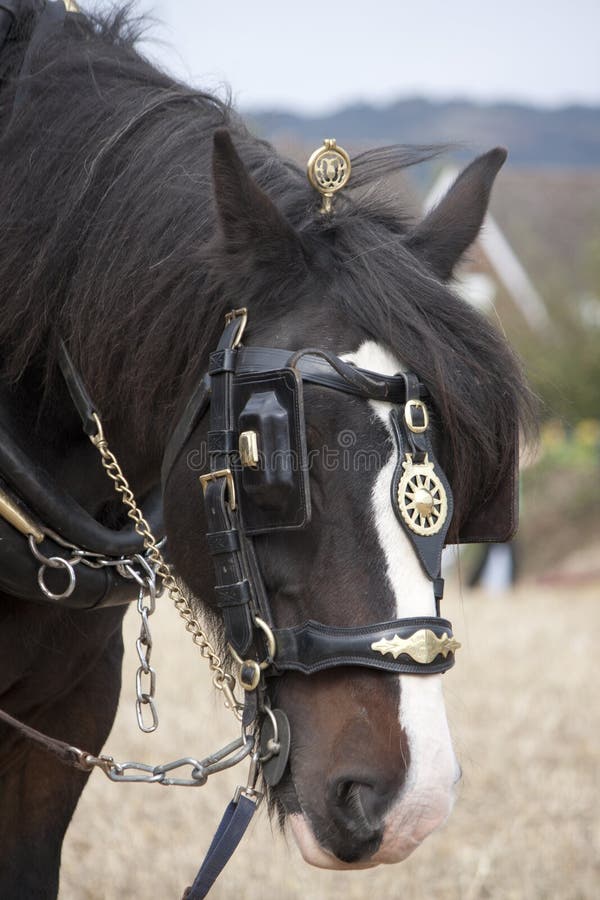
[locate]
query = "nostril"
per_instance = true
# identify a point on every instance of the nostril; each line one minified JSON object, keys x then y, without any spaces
{"x":359,"y":806}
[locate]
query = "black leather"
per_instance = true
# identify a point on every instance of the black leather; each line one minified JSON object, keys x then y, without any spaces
{"x":312,"y":647}
{"x":19,"y":571}
{"x":275,"y":495}
{"x":247,"y":396}
{"x":60,"y":512}
{"x":497,"y":519}
{"x":194,"y":410}
{"x":79,"y":395}
{"x":428,"y":549}
{"x":325,"y":369}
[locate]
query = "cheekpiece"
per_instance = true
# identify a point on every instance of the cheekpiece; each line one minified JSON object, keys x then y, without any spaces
{"x":328,"y":171}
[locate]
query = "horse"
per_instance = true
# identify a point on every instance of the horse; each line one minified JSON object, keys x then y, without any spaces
{"x":135,"y":214}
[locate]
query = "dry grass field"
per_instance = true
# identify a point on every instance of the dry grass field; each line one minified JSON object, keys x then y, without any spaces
{"x":523,"y":703}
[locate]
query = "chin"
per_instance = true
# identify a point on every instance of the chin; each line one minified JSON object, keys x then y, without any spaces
{"x":316,"y":855}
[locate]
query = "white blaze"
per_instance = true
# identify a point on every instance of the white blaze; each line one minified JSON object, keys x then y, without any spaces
{"x":427,"y":796}
{"x":428,"y":792}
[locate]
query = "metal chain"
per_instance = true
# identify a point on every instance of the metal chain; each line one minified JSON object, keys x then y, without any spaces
{"x":145,"y":693}
{"x":225,"y":758}
{"x":222,"y":680}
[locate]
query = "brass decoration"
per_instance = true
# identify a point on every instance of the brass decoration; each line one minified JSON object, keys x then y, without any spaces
{"x":421,"y":497}
{"x":423,"y":646}
{"x":19,"y":519}
{"x":328,"y":171}
{"x":248,"y":447}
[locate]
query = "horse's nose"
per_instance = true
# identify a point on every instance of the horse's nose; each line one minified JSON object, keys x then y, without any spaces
{"x":357,"y":805}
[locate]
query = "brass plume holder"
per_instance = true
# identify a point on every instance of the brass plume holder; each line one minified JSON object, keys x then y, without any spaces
{"x":328,"y":171}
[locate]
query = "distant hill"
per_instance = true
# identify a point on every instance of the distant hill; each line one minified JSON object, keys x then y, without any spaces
{"x":567,"y":136}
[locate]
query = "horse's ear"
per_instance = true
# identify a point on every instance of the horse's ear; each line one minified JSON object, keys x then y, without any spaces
{"x":452,"y":226}
{"x":248,"y":218}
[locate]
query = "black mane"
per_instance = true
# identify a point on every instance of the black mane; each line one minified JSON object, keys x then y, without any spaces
{"x":109,"y":238}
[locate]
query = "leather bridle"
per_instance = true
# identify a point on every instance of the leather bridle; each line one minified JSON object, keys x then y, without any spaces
{"x":422,"y":645}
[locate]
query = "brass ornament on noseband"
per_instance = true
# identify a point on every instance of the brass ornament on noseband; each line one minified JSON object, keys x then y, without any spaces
{"x":421,"y":497}
{"x":328,"y":171}
{"x":423,"y":646}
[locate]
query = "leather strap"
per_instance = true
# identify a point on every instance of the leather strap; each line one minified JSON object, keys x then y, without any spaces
{"x":428,"y":548}
{"x":70,"y":756}
{"x":325,"y":369}
{"x":77,"y":389}
{"x":311,"y":647}
{"x":60,"y":511}
{"x":233,"y":589}
{"x":234,"y":823}
{"x":94,"y":587}
{"x":192,"y":414}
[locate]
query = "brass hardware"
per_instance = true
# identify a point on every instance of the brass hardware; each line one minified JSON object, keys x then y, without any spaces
{"x":249,"y":674}
{"x":220,"y":473}
{"x":270,"y":639}
{"x":19,"y":519}
{"x":250,"y":663}
{"x":328,"y":171}
{"x":408,"y":418}
{"x":242,"y":314}
{"x":248,"y":447}
{"x":421,"y":497}
{"x":423,"y":646}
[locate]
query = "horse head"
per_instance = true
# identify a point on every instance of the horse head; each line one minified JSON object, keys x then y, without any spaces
{"x":371,"y":768}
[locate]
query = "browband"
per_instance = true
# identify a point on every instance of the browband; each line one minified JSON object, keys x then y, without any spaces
{"x":315,"y":367}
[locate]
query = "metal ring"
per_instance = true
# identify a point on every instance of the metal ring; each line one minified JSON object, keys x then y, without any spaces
{"x":57,"y":562}
{"x":271,"y":644}
{"x":274,"y":740}
{"x":271,"y":647}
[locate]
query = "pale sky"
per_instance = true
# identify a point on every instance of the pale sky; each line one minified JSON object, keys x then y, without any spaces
{"x":315,"y":56}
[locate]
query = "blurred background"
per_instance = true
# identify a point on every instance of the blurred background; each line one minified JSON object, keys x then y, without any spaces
{"x":522,"y":701}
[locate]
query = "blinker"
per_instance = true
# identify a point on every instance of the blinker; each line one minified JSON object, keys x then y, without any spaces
{"x":273,"y":464}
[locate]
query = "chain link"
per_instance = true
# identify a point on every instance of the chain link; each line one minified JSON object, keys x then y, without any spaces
{"x":146,"y":604}
{"x":222,"y":680}
{"x":225,"y":758}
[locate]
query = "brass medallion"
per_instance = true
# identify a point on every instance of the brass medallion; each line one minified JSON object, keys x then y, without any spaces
{"x":423,"y":646}
{"x":421,"y":497}
{"x":328,"y":171}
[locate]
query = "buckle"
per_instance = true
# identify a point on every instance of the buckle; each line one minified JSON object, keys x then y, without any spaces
{"x":408,"y":416}
{"x":220,"y":473}
{"x":250,"y":669}
{"x":242,"y":315}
